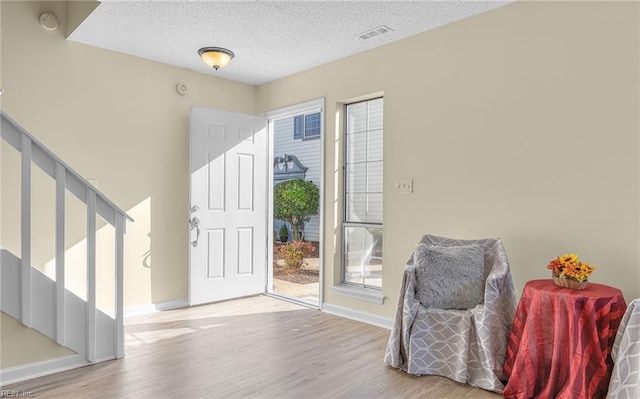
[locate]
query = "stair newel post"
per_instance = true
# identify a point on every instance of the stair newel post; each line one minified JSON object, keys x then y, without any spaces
{"x":119,"y":294}
{"x":25,"y":267}
{"x":61,"y":174}
{"x":91,"y":276}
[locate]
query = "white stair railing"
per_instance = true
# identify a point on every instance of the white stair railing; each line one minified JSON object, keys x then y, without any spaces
{"x":34,"y":152}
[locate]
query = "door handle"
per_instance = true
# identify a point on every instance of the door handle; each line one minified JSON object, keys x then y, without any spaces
{"x":194,"y":223}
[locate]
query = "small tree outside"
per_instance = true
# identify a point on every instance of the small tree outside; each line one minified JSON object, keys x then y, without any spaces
{"x":296,"y":201}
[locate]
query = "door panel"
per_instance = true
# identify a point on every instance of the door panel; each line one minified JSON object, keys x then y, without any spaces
{"x":245,"y":182}
{"x":216,"y":185}
{"x":245,"y":253}
{"x":228,"y":166}
{"x":215,"y":250}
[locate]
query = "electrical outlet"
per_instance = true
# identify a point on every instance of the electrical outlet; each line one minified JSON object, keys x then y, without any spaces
{"x":404,"y":186}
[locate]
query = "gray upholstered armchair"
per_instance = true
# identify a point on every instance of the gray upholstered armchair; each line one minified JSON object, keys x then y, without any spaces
{"x":467,"y":345}
{"x":625,"y":376}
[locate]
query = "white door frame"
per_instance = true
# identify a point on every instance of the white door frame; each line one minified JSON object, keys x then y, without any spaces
{"x":280,"y":113}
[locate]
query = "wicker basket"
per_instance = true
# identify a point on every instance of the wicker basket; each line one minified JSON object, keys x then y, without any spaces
{"x":569,"y":283}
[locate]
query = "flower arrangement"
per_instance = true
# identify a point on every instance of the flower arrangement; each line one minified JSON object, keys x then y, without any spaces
{"x":569,"y":266}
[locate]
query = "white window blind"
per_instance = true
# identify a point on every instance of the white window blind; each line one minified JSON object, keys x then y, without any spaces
{"x":364,"y":162}
{"x":362,"y":227}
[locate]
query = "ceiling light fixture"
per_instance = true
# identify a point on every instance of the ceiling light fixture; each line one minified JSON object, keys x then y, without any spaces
{"x":215,"y":57}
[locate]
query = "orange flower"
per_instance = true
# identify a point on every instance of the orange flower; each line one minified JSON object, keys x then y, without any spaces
{"x":568,"y":258}
{"x":555,"y":266}
{"x":569,"y":266}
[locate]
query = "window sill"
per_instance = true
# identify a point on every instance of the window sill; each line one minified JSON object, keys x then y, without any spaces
{"x":365,"y":294}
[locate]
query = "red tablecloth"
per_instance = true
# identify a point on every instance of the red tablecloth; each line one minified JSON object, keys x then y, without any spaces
{"x":561,"y":340}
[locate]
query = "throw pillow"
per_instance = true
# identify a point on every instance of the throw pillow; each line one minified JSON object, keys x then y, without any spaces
{"x":449,"y":277}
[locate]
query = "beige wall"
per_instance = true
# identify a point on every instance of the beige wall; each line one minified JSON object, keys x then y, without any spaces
{"x":520,"y":123}
{"x":14,"y":352}
{"x":115,"y":118}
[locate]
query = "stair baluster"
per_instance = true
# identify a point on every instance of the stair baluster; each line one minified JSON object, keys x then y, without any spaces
{"x":66,"y":179}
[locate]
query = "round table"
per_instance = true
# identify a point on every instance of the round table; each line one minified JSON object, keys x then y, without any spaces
{"x":561,"y":339}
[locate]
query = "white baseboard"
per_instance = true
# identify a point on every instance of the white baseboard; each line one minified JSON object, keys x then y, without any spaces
{"x":139,"y":310}
{"x":369,"y":318}
{"x":28,"y":371}
{"x":173,"y":304}
{"x":151,"y":307}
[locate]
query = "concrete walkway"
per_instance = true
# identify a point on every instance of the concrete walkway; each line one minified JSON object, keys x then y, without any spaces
{"x":309,"y":293}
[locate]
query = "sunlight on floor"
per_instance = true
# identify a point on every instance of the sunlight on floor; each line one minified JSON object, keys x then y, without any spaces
{"x":150,"y":328}
{"x":149,"y":337}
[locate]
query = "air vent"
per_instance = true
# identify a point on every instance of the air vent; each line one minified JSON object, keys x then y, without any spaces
{"x":375,"y":32}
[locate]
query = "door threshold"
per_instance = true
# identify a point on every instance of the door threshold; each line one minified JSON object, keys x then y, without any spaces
{"x":291,"y":299}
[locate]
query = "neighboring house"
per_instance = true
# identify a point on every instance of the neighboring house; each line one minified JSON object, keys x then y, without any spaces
{"x":299,"y":136}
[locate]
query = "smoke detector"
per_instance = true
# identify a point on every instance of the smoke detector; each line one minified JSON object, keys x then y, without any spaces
{"x":49,"y":21}
{"x":181,"y":88}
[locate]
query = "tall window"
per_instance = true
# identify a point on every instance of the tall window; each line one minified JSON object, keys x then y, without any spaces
{"x":362,"y":226}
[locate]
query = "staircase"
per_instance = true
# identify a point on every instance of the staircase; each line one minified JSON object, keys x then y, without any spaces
{"x":42,"y":303}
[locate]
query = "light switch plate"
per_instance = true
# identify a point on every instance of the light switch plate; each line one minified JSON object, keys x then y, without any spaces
{"x":404,"y":186}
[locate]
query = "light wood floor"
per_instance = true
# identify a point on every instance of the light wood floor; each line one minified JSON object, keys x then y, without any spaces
{"x":256,"y":347}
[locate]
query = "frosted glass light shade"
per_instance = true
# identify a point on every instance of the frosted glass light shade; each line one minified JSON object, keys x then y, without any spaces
{"x":215,"y":57}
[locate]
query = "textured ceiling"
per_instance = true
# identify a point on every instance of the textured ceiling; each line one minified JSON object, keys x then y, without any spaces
{"x":271,"y":39}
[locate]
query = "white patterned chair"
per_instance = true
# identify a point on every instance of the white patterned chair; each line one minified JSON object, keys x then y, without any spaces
{"x":467,"y":346}
{"x":625,"y":376}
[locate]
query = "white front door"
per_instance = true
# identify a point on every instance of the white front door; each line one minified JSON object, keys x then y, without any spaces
{"x":228,"y":196}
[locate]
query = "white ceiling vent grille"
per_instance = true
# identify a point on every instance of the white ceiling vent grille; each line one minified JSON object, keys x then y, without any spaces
{"x":382,"y":29}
